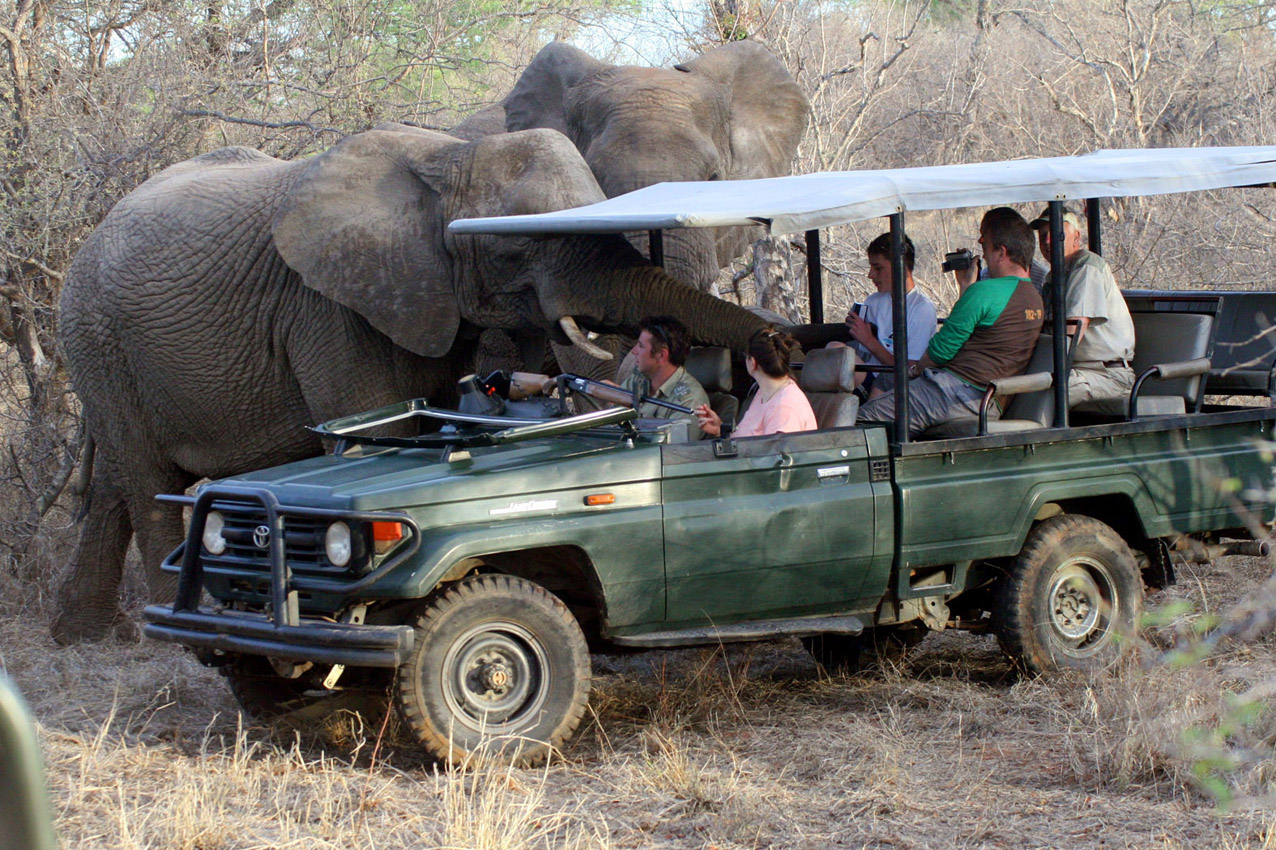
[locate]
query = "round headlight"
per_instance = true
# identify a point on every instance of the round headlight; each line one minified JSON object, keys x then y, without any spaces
{"x":213,"y":540}
{"x":337,"y":544}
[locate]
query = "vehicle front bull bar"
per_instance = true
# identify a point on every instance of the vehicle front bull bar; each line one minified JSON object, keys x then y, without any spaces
{"x":282,"y":633}
{"x":319,"y":641}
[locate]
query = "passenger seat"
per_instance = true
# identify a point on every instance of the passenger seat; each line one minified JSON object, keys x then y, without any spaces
{"x":712,"y":368}
{"x":1026,"y":411}
{"x":828,"y":379}
{"x":1173,"y":346}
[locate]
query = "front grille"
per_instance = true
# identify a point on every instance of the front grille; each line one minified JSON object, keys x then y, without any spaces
{"x":303,"y":542}
{"x":303,"y":539}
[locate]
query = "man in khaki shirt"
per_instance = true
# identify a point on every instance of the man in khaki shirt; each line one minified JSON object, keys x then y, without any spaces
{"x":662,"y":347}
{"x":1105,"y":335}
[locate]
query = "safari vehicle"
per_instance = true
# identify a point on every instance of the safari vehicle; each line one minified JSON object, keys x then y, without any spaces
{"x":476,"y":565}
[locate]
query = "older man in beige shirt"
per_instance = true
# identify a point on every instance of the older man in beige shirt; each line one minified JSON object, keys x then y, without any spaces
{"x":1105,"y":332}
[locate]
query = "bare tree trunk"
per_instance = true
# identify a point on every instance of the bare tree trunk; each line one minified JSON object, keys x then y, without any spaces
{"x":772,"y":268}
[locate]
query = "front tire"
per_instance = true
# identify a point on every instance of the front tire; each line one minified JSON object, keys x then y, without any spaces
{"x":499,"y":670}
{"x":1073,"y":590}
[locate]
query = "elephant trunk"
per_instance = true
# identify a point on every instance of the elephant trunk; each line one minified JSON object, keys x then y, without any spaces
{"x":710,"y":320}
{"x":615,"y":288}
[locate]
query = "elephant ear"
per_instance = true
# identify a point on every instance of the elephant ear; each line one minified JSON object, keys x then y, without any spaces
{"x":362,"y":226}
{"x":539,"y":98}
{"x":769,"y":112}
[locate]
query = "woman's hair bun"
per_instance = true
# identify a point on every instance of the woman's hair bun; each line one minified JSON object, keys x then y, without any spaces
{"x":771,"y":349}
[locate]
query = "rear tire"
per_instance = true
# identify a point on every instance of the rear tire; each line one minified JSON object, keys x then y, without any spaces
{"x":1073,"y":590}
{"x":499,"y":670}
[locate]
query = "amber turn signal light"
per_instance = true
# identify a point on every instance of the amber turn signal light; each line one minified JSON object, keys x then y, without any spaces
{"x":601,"y":499}
{"x":385,"y":535}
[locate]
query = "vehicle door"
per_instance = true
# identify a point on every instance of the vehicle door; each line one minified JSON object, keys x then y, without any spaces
{"x":793,"y":524}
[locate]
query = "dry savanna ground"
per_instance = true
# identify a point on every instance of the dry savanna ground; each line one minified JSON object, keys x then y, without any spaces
{"x":751,"y":747}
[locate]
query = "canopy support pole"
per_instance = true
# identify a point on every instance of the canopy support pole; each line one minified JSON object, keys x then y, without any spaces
{"x":656,"y":247}
{"x":814,"y":279}
{"x":899,"y":321}
{"x":1058,"y":283}
{"x":1095,"y":236}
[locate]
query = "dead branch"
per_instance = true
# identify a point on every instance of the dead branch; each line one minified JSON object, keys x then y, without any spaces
{"x":257,"y":122}
{"x":34,"y":262}
{"x":58,"y":483}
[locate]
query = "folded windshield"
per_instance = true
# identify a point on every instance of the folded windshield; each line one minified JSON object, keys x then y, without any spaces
{"x":462,"y":430}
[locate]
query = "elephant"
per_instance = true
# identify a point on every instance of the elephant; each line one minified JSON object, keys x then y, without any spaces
{"x":732,"y":113}
{"x":233,"y":299}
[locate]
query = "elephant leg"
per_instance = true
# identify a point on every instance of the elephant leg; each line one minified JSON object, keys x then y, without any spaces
{"x":497,"y":350}
{"x":159,"y":529}
{"x":533,"y":349}
{"x":88,"y":599}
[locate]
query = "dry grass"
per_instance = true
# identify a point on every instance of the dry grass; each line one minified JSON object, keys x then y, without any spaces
{"x":747,"y":748}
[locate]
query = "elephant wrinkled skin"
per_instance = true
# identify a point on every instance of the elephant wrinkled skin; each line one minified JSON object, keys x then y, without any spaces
{"x":234,"y":299}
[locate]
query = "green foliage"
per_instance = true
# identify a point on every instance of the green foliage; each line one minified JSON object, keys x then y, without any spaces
{"x":1221,"y":750}
{"x":946,"y":12}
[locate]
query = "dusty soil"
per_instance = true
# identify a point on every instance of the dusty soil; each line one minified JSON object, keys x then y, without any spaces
{"x":751,"y":747}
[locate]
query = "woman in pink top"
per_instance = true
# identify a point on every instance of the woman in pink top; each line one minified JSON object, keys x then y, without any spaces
{"x":780,"y":405}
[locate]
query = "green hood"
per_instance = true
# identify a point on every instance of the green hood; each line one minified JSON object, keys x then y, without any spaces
{"x":401,"y":479}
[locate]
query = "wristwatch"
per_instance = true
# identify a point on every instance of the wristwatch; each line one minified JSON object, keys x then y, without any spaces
{"x":914,"y":370}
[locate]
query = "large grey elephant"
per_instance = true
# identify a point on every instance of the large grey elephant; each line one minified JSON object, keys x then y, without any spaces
{"x":732,"y":113}
{"x":233,"y":299}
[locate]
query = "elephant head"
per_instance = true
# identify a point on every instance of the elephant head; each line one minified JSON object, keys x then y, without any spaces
{"x":365,"y":224}
{"x":732,"y":113}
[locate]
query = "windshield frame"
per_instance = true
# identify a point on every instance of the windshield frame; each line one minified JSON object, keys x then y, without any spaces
{"x":467,"y":429}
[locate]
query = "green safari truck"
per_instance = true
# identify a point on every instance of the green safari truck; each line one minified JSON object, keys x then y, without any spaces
{"x":470,"y":570}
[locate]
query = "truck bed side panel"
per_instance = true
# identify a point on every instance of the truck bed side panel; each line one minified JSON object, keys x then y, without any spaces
{"x":979,"y":503}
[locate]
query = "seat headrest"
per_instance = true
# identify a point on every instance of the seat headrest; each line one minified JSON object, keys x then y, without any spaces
{"x":711,"y":367}
{"x":828,"y":370}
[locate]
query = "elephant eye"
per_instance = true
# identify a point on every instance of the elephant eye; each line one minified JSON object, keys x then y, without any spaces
{"x":715,"y":176}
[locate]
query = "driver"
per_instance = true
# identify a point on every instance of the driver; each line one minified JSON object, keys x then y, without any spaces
{"x":662,"y":347}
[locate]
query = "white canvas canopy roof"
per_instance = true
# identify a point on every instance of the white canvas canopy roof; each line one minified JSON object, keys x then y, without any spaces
{"x":813,"y":201}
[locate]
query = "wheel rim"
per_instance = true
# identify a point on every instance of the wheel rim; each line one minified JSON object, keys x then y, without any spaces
{"x":1082,"y":605}
{"x":495,"y":678}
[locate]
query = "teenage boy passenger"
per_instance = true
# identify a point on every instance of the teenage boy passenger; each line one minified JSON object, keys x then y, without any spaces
{"x":873,"y":327}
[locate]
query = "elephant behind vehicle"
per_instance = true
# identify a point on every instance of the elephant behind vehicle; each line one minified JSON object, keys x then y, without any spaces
{"x":234,"y":299}
{"x":732,"y":113}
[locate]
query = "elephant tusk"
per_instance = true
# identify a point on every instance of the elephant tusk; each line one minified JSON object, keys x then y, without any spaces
{"x":569,"y":326}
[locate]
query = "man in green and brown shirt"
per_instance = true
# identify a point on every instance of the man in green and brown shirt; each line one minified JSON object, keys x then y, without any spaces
{"x":989,"y":334}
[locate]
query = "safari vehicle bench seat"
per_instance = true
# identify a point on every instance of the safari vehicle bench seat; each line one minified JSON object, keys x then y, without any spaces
{"x":828,"y":379}
{"x":1030,"y":408}
{"x":1178,"y":346}
{"x":712,"y":368}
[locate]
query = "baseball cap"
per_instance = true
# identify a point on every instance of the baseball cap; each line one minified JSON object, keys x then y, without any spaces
{"x":1043,"y":220}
